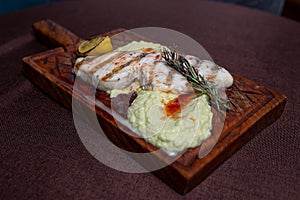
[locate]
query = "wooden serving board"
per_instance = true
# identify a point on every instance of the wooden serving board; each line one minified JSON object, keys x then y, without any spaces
{"x":253,"y":107}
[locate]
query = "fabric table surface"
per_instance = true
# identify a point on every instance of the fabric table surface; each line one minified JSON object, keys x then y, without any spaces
{"x":42,"y":156}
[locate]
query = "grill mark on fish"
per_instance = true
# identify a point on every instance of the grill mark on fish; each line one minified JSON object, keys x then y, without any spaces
{"x":151,"y":75}
{"x":170,"y":78}
{"x":158,"y":57}
{"x":119,"y":68}
{"x":148,"y":50}
{"x":99,"y":65}
{"x":151,"y":72}
{"x":210,"y":77}
{"x":85,"y":61}
{"x":79,"y":64}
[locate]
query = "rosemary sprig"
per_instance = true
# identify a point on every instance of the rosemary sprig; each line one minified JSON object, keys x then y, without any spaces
{"x":197,"y":81}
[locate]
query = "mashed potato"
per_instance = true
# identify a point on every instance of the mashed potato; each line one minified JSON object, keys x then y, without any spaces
{"x":148,"y":117}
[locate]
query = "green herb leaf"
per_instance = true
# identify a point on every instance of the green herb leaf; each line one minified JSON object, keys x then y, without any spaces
{"x":197,"y":81}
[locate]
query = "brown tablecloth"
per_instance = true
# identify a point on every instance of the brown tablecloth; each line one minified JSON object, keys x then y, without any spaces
{"x":42,"y":156}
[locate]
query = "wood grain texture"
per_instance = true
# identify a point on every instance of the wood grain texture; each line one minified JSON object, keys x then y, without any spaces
{"x":253,"y":107}
{"x":54,"y":35}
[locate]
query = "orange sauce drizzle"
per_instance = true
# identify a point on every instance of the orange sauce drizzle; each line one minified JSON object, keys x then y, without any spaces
{"x":173,"y":107}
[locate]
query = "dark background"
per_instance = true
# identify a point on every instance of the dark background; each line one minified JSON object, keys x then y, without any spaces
{"x":287,"y":8}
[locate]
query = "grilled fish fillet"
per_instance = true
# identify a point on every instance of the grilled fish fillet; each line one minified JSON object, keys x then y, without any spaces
{"x":118,"y":70}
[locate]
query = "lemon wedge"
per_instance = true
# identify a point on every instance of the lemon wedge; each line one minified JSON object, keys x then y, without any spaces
{"x":95,"y":46}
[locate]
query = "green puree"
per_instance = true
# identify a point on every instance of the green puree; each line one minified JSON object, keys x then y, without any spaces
{"x":149,"y":119}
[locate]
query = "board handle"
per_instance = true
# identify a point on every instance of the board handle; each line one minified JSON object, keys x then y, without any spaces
{"x":53,"y":34}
